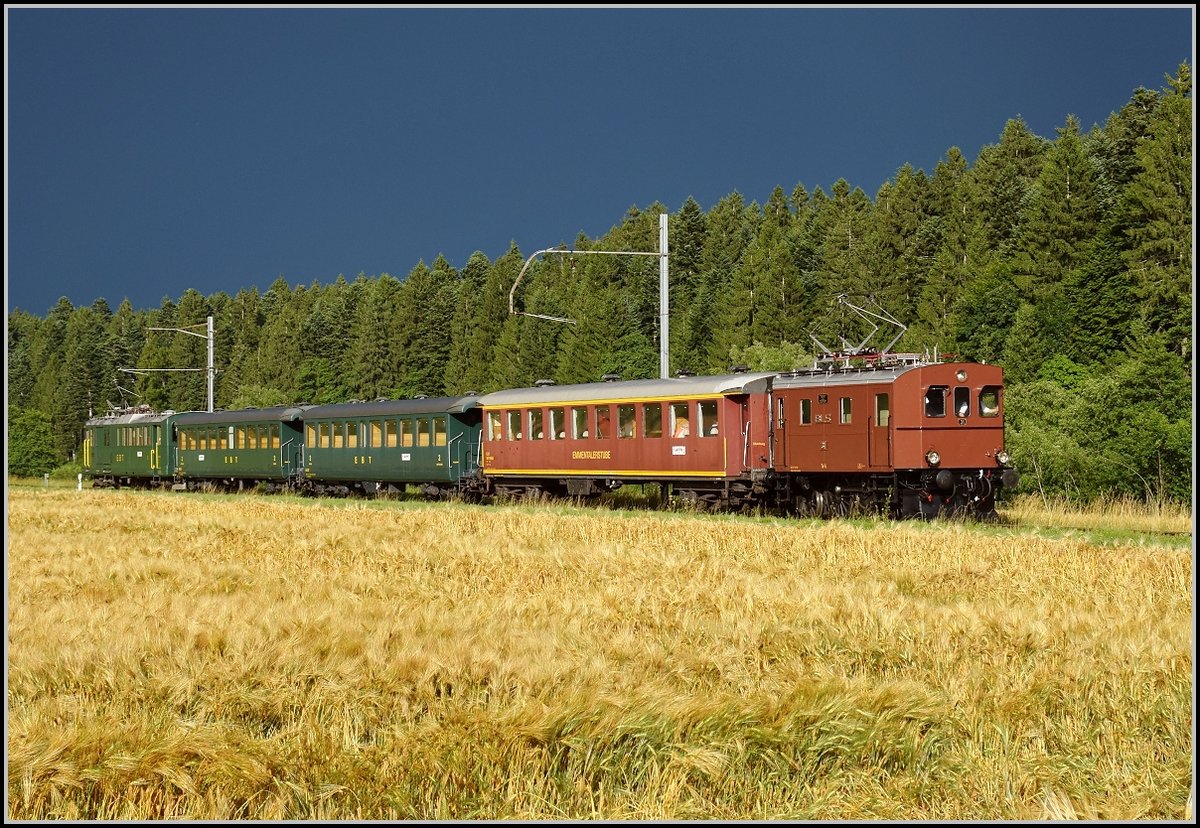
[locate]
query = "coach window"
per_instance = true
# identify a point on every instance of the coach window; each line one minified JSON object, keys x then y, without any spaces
{"x":514,"y":425}
{"x":275,"y":435}
{"x":603,"y":422}
{"x":352,"y":434}
{"x":422,"y":432}
{"x":626,"y":422}
{"x":338,"y":430}
{"x":882,"y":412}
{"x":845,"y":410}
{"x":679,"y":420}
{"x":389,"y":433}
{"x":652,"y":419}
{"x":536,"y":431}
{"x":406,"y":433}
{"x":323,"y":434}
{"x":935,"y":401}
{"x":439,"y":431}
{"x":962,"y":401}
{"x":709,"y":425}
{"x":579,"y":426}
{"x":222,"y":440}
{"x":558,"y":423}
{"x":310,"y":436}
{"x":494,"y":431}
{"x":989,"y":401}
{"x":376,"y":440}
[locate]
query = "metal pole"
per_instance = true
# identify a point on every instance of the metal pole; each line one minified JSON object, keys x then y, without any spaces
{"x":664,"y":340}
{"x":210,"y":363}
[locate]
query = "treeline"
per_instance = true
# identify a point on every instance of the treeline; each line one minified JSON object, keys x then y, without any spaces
{"x":1068,"y":261}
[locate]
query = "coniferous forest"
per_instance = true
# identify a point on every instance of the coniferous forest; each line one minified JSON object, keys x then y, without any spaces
{"x":1066,"y":259}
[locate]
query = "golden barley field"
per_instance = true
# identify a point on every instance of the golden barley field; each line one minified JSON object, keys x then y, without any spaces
{"x":179,"y":656}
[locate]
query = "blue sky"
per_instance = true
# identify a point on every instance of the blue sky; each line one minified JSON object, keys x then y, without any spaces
{"x":149,"y":151}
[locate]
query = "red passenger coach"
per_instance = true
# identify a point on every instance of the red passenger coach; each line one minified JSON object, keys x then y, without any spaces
{"x":707,"y":437}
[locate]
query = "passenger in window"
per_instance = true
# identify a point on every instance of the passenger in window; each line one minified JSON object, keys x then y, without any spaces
{"x":681,"y":428}
{"x":962,"y":410}
{"x":714,"y":429}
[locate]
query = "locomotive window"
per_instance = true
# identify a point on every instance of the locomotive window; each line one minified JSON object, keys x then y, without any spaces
{"x":805,"y":412}
{"x":935,"y":401}
{"x":679,"y":420}
{"x":275,"y":429}
{"x":603,"y":423}
{"x":494,"y":431}
{"x":989,"y":401}
{"x":406,"y":434}
{"x":579,"y":427}
{"x":106,"y":436}
{"x":514,"y":425}
{"x":709,"y":426}
{"x":439,"y":431}
{"x":845,"y":410}
{"x":962,"y":401}
{"x":422,"y":432}
{"x":626,"y":427}
{"x":652,"y":419}
{"x":389,"y":433}
{"x":882,"y":413}
{"x":536,"y":431}
{"x":558,"y":423}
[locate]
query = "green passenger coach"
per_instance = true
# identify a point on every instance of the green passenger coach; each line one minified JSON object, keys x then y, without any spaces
{"x":131,"y":448}
{"x":431,"y":443}
{"x":234,"y":449}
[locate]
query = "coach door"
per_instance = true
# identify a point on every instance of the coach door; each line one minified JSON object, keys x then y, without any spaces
{"x":880,"y":437}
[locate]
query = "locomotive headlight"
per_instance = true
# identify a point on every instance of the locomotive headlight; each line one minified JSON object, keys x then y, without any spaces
{"x":933,"y":457}
{"x":1002,"y":457}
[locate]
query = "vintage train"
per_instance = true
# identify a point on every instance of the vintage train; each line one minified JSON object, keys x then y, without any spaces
{"x":902,"y":437}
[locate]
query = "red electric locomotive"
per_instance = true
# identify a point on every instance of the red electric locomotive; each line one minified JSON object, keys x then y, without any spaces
{"x":910,"y":439}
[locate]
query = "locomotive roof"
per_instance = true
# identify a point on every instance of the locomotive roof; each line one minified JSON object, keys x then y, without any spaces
{"x":282,"y":413}
{"x":678,"y":387}
{"x":842,"y":376}
{"x":426,"y":405}
{"x":128,"y":417}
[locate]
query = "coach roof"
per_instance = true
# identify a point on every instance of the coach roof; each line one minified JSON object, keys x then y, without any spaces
{"x":281,"y":413}
{"x":383,"y":408}
{"x":647,"y":389}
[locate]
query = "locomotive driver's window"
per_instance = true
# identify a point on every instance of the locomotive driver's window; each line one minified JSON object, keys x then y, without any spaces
{"x":962,"y":400}
{"x":935,"y":401}
{"x":989,"y":401}
{"x":881,"y":410}
{"x":805,"y":412}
